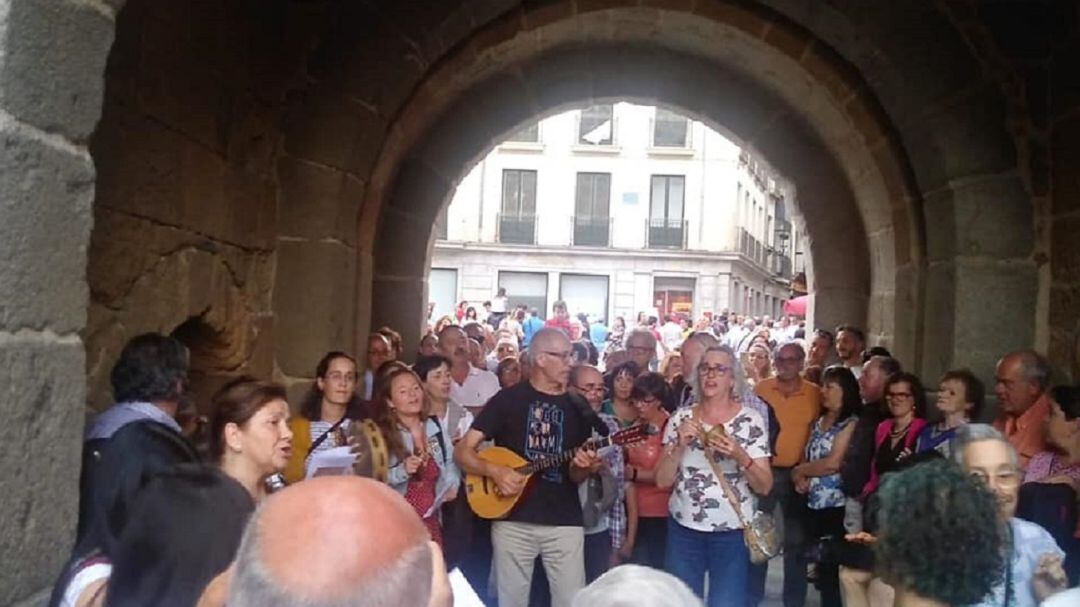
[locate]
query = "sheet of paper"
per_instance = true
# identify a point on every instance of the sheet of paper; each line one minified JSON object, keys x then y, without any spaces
{"x":331,"y":462}
{"x":464,"y":595}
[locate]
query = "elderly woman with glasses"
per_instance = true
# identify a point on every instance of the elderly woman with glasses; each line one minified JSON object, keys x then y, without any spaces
{"x":718,"y":435}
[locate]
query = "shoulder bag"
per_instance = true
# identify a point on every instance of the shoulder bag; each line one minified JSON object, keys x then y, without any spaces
{"x":761,"y":535}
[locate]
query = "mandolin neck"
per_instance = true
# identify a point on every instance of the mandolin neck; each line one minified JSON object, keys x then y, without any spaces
{"x":554,"y":461}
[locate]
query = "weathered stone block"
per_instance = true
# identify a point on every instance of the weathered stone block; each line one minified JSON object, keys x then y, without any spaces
{"x":400,"y":302}
{"x":1065,"y":250}
{"x":987,"y":217}
{"x":939,"y":311}
{"x":44,"y":230}
{"x":994,"y":312}
{"x":963,"y":138}
{"x":312,"y":204}
{"x":1065,"y":160}
{"x":322,"y":125}
{"x":41,"y":401}
{"x":52,"y":63}
{"x":314,"y":303}
{"x":396,"y":256}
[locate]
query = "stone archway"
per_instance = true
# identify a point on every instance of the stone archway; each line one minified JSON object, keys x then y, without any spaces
{"x":276,"y":133}
{"x":855,"y":190}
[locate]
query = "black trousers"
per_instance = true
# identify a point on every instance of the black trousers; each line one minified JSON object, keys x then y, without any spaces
{"x":651,"y":544}
{"x":821,"y":524}
{"x":793,"y":508}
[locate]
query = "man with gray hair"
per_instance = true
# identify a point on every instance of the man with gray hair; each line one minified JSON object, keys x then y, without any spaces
{"x":641,"y":344}
{"x":336,"y":541}
{"x":634,"y":586}
{"x":1036,"y":565}
{"x":1021,"y":383}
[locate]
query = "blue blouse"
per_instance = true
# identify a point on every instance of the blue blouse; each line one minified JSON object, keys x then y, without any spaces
{"x":825,"y":491}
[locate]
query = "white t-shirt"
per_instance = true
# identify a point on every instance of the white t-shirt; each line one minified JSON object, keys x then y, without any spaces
{"x":1067,"y":598}
{"x":698,"y":501}
{"x":498,"y":305}
{"x":671,"y":333}
{"x":479,"y":386}
{"x":82,"y":580}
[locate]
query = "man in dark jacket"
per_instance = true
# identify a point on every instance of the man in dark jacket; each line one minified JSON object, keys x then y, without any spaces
{"x":855,"y":469}
{"x":138,"y":435}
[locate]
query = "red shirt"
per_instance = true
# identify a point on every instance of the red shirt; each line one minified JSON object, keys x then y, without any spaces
{"x":562,"y":324}
{"x":652,"y":500}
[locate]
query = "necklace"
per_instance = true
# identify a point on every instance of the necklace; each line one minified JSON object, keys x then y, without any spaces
{"x":897,"y":433}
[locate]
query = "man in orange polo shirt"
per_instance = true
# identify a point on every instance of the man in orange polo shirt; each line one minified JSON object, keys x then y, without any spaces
{"x":797,"y":404}
{"x":1022,"y":382}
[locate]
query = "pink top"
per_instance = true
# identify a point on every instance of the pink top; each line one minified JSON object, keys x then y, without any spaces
{"x":1048,"y":464}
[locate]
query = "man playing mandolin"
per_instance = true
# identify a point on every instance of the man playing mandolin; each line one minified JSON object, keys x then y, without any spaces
{"x":537,"y":421}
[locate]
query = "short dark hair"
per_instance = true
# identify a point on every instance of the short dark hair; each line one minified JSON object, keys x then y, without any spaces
{"x":826,"y":334}
{"x":236,"y":403}
{"x":875,"y":351}
{"x":1068,"y":398}
{"x":152,"y":367}
{"x":974,"y":392}
{"x":185,"y":528}
{"x":930,"y":506}
{"x":918,"y":393}
{"x":626,"y":368}
{"x":856,"y":331}
{"x":651,"y":384}
{"x":426,"y":364}
{"x":843,"y":377}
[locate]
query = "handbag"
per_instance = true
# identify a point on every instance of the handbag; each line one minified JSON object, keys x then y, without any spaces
{"x":761,"y":535}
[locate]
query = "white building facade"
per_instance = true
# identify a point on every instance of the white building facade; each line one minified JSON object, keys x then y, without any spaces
{"x":619,"y":209}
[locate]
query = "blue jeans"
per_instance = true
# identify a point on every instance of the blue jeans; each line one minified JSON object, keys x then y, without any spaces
{"x":723,"y":554}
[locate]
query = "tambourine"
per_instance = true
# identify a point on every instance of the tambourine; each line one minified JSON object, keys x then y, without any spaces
{"x":372,"y":454}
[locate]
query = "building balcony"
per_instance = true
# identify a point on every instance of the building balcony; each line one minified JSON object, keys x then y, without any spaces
{"x":516,"y":229}
{"x":664,"y":233}
{"x":591,"y":231}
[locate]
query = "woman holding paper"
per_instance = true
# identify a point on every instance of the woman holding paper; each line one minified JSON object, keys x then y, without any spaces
{"x":421,"y":455}
{"x":250,"y":435}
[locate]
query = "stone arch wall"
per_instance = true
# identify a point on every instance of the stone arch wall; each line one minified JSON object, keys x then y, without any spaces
{"x":854,"y":148}
{"x":312,"y":109}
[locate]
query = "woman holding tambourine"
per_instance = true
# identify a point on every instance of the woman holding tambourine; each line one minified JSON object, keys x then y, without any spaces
{"x":716,"y":459}
{"x":422,"y":464}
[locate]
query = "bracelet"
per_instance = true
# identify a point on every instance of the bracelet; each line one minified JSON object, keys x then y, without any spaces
{"x":749,"y":464}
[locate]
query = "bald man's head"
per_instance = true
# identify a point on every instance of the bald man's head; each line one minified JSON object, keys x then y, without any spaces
{"x":329,"y":541}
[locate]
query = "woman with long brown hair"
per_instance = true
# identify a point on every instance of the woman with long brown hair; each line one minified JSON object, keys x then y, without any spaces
{"x":422,"y":465}
{"x":326,"y":412}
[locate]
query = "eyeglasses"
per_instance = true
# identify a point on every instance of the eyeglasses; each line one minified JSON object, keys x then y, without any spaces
{"x":899,"y":395}
{"x":591,"y":388}
{"x":709,"y":370}
{"x":341,"y":378}
{"x":1004,"y":478}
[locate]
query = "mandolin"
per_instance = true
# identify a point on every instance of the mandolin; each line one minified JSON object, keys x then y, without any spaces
{"x":483,"y":495}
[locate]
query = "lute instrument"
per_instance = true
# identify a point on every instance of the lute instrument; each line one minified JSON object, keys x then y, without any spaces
{"x":482,"y":492}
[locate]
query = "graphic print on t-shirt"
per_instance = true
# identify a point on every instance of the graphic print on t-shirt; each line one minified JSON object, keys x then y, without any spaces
{"x":544,"y":436}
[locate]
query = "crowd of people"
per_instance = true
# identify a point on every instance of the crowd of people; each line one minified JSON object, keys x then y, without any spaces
{"x":752,"y":438}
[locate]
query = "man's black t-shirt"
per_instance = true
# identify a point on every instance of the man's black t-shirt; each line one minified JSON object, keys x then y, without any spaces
{"x":533,"y":425}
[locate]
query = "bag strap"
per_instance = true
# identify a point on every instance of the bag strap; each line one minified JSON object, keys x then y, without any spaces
{"x":729,"y":493}
{"x":322,"y":438}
